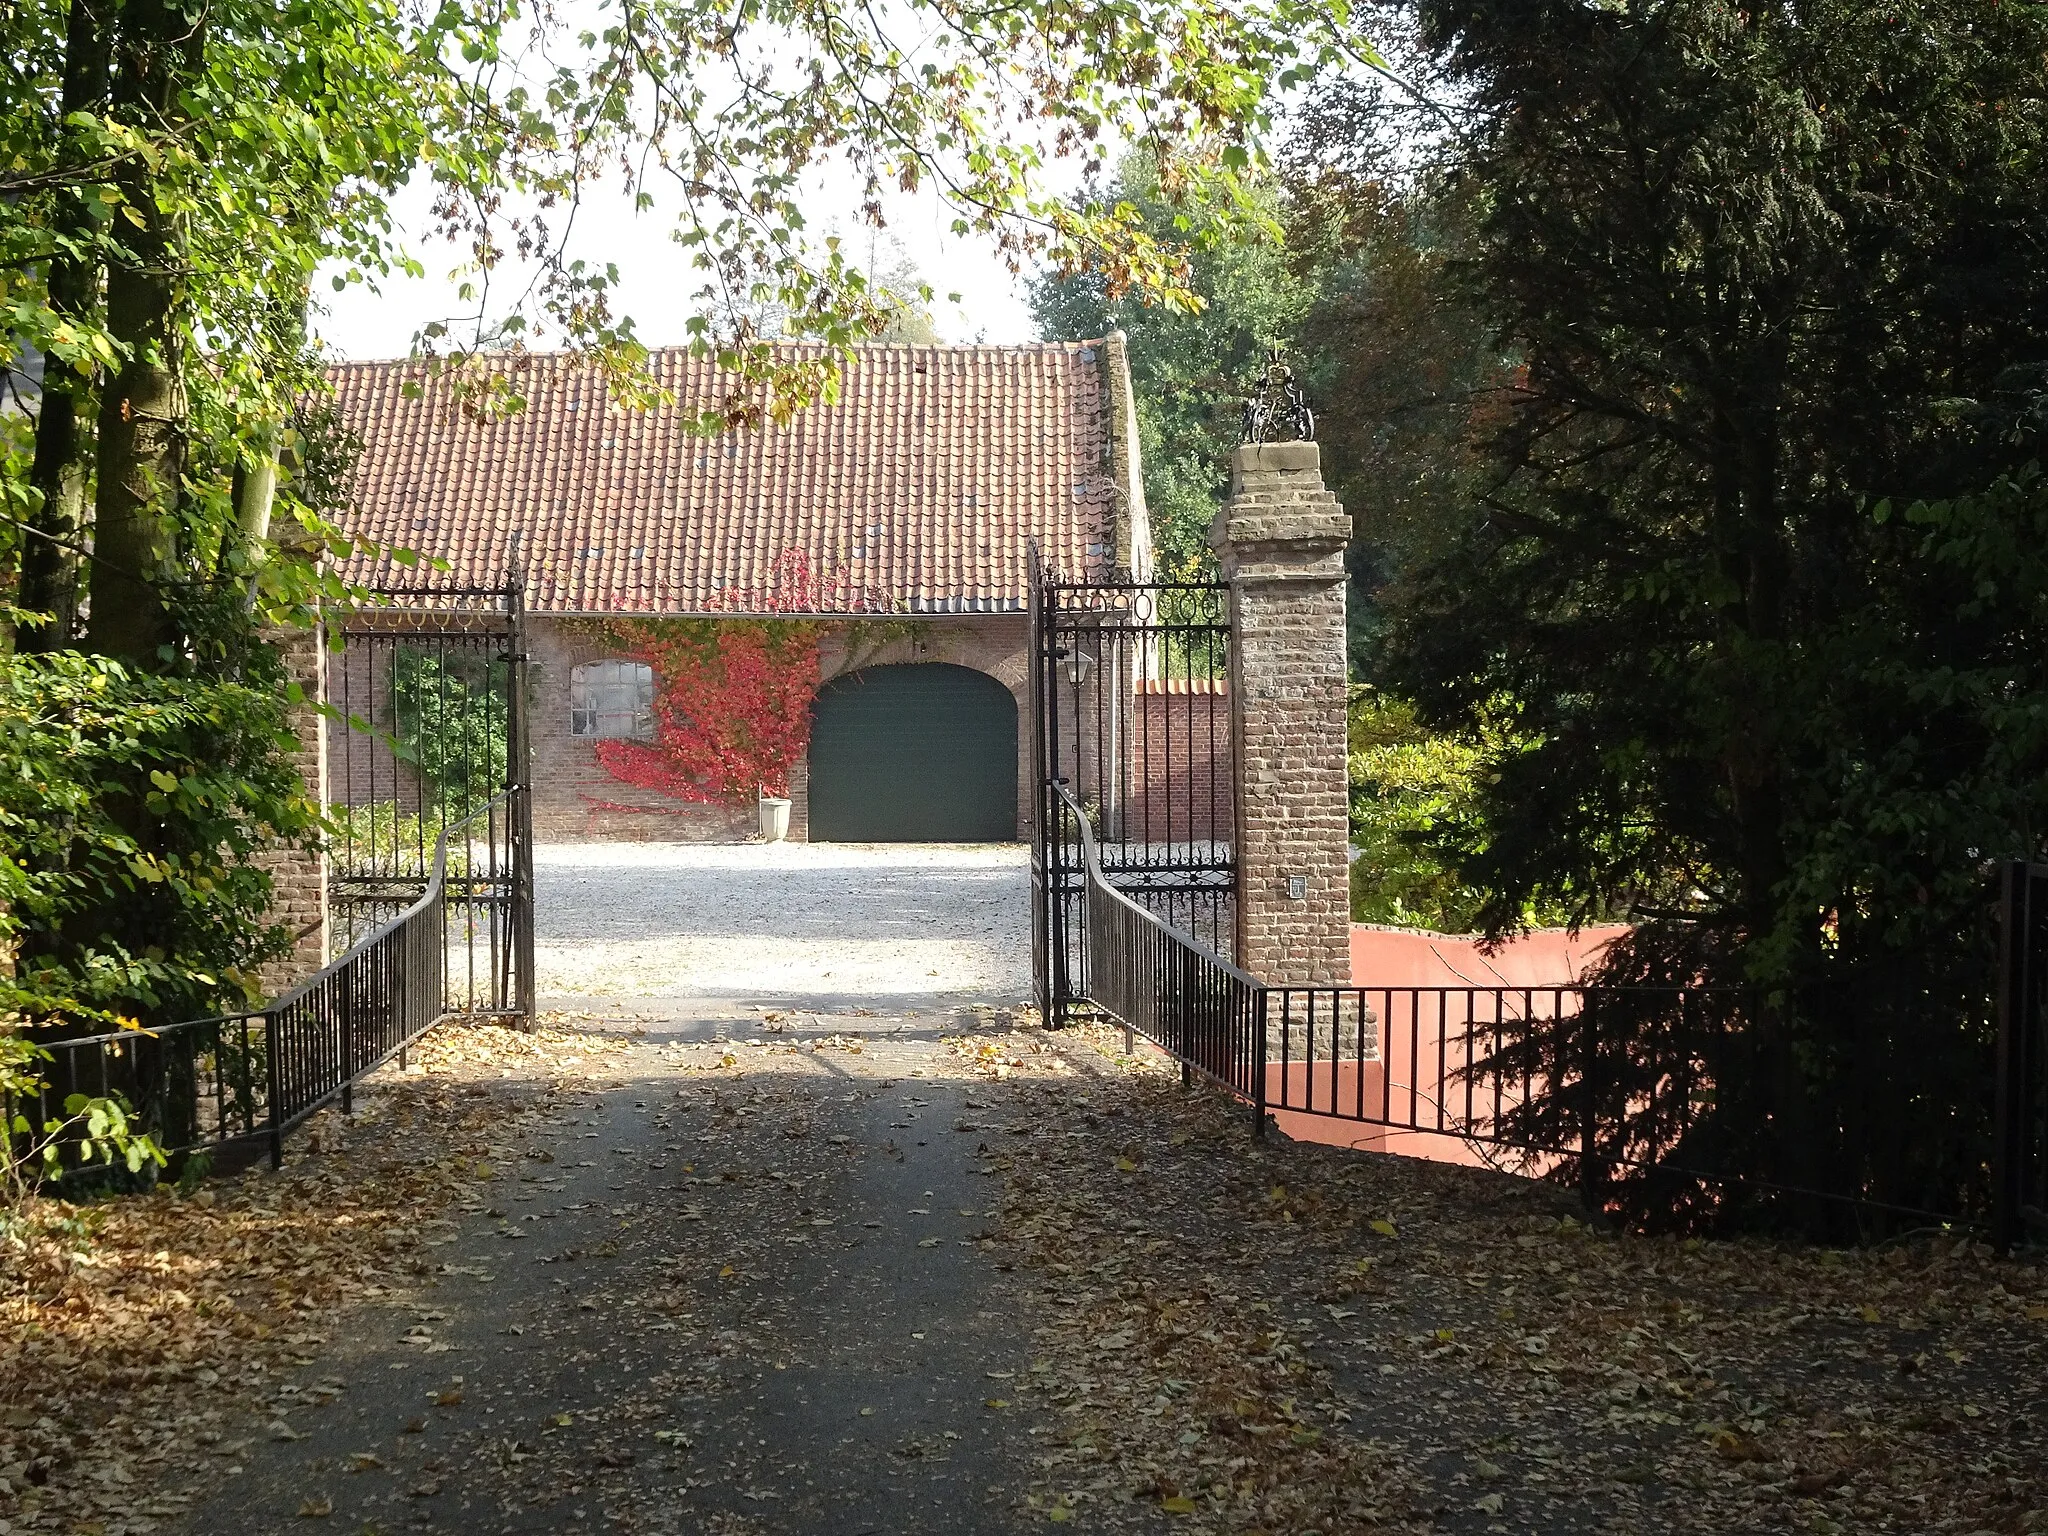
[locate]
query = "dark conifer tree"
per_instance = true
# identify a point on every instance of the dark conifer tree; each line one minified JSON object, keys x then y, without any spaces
{"x":1755,"y":570}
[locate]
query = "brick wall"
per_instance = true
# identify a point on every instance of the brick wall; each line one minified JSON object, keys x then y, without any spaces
{"x":1281,"y":539}
{"x":575,"y":800}
{"x":298,"y":876}
{"x":1177,"y":755}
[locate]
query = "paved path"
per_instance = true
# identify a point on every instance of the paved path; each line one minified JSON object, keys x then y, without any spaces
{"x":699,"y":1304}
{"x":739,"y":1298}
{"x":783,"y":1259}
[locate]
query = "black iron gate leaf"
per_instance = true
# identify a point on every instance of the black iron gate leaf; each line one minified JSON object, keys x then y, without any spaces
{"x":429,"y":686}
{"x":1131,"y":718}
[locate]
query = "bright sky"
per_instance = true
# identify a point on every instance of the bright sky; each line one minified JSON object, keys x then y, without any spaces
{"x":656,"y":276}
{"x":657,"y":280}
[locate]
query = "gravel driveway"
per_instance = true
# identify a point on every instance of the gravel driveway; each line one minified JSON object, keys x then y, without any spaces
{"x":783,"y":921}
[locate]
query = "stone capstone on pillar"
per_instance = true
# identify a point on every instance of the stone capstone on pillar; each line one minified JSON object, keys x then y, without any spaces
{"x":1280,"y":539}
{"x":1279,"y":522}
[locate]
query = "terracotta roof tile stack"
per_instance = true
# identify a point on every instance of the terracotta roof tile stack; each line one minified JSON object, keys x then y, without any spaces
{"x":915,"y":492}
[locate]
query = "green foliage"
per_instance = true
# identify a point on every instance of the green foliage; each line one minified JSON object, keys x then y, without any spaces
{"x":449,"y":713}
{"x":1408,"y":788}
{"x":1400,"y":362}
{"x":92,"y":1131}
{"x":1415,"y":817}
{"x":1352,"y":274}
{"x":96,"y":1131}
{"x":898,"y":276}
{"x":379,"y":837}
{"x":292,"y":128}
{"x":1763,"y":270}
{"x":1190,"y":367}
{"x":17,"y":501}
{"x":131,"y":811}
{"x":286,"y":130}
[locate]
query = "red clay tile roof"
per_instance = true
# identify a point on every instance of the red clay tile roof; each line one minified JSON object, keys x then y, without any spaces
{"x":915,"y":492}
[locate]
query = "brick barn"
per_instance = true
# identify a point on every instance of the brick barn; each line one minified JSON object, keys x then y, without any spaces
{"x":893,"y":524}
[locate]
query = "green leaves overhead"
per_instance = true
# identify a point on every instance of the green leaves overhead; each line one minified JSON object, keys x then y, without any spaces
{"x":297,"y":127}
{"x":1192,"y":354}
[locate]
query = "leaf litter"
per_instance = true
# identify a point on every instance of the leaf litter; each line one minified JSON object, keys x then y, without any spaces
{"x":1289,"y":1337}
{"x":1206,"y":1334}
{"x":143,"y":1335}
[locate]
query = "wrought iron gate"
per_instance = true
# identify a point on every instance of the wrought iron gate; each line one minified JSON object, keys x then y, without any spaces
{"x":1130,"y":717}
{"x":430,"y":890}
{"x":430,"y":689}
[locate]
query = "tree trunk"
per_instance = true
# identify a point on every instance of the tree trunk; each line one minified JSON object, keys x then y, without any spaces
{"x":1761,"y":566}
{"x":49,"y":558}
{"x":143,"y":408}
{"x":141,"y":462}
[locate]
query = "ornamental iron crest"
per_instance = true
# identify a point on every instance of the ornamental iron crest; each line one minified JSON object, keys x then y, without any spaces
{"x":1276,"y":411}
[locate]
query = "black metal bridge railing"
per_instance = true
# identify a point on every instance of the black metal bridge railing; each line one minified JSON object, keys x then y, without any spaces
{"x":1587,"y":1084}
{"x":243,"y":1080}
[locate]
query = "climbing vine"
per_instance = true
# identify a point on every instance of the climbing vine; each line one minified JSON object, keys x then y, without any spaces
{"x":732,"y":705}
{"x":732,"y":697}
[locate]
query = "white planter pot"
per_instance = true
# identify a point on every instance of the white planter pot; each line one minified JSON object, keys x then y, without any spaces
{"x":774,"y":820}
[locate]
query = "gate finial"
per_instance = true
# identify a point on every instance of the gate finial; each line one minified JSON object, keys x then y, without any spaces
{"x":1276,"y":411}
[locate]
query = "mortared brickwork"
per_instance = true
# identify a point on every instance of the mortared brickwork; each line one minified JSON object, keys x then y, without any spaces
{"x":1280,"y":538}
{"x":298,"y":876}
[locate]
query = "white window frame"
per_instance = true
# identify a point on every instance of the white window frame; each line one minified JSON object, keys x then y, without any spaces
{"x":612,"y":700}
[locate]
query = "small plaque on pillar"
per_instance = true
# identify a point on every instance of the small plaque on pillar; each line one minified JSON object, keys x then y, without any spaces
{"x":1297,"y":887}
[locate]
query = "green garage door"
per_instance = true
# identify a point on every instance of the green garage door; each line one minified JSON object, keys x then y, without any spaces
{"x":916,"y":754}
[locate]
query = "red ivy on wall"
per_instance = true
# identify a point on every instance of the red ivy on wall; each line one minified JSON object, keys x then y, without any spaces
{"x":732,"y":706}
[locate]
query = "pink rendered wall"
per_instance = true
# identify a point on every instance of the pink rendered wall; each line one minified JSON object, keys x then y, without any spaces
{"x":1407,"y":957}
{"x":1411,"y":957}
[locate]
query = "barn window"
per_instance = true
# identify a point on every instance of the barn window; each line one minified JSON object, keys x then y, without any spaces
{"x":612,"y":698}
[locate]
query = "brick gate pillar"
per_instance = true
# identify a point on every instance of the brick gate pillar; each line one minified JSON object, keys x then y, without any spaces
{"x":299,"y":876}
{"x":1281,"y":539}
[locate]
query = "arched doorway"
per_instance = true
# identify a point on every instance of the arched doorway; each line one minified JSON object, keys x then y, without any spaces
{"x":925,"y":753}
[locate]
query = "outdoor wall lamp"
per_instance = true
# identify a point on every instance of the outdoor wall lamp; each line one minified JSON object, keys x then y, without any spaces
{"x":1079,"y":665}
